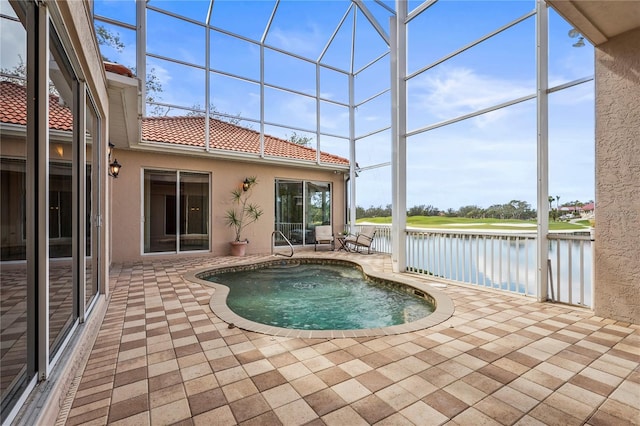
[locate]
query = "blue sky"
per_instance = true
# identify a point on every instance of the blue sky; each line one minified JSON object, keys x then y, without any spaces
{"x":490,"y":159}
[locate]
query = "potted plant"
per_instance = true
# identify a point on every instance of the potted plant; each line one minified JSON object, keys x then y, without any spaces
{"x":242,"y":214}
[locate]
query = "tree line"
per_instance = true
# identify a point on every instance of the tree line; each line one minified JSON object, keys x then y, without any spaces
{"x":515,"y":209}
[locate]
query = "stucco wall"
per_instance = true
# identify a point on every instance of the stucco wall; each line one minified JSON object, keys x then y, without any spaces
{"x":226,"y":175}
{"x":617,"y":230}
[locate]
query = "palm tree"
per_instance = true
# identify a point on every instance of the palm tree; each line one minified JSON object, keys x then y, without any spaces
{"x":552,"y":215}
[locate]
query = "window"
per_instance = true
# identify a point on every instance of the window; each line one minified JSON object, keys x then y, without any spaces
{"x":171,"y":226}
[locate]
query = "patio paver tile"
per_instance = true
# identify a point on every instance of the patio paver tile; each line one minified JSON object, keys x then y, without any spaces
{"x":249,"y":407}
{"x":171,"y":413}
{"x":163,"y":356}
{"x":344,"y":416}
{"x":418,"y":411}
{"x":206,"y":401}
{"x":373,"y":409}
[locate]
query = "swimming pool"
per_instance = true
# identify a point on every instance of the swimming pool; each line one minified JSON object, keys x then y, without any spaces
{"x":315,"y":297}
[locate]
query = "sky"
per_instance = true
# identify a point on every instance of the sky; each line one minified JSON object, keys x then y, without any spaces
{"x":486,"y":160}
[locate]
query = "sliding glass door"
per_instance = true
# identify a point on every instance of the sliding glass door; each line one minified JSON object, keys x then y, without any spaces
{"x":300,"y":207}
{"x":49,"y":199}
{"x":176,"y":211}
{"x":194,"y":211}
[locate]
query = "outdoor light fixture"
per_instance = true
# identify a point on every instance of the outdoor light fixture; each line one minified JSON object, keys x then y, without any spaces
{"x":114,"y":167}
{"x":573,"y":33}
{"x":246,"y":184}
{"x":579,"y":43}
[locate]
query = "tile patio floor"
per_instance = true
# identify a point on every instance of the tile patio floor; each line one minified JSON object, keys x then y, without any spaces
{"x":162,"y":357}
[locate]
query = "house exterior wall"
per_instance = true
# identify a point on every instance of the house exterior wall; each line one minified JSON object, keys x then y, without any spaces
{"x":226,"y":175}
{"x":617,"y":214}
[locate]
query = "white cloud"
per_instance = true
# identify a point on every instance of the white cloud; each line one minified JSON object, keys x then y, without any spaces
{"x":162,"y":74}
{"x":309,"y":42}
{"x":297,"y":111}
{"x":489,"y":159}
{"x":446,"y":93}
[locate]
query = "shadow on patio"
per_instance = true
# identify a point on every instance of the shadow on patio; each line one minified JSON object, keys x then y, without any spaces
{"x":162,"y":357}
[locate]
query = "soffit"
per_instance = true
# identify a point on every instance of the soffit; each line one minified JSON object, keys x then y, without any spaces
{"x":124,"y":127}
{"x":599,"y":20}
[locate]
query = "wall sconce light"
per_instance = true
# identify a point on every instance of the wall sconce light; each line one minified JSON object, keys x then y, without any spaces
{"x":114,"y":167}
{"x":246,"y":184}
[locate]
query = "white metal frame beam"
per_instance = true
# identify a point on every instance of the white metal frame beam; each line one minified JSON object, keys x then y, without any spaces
{"x":372,"y":19}
{"x":41,"y":191}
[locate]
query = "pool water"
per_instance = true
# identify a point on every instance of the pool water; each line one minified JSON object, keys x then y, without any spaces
{"x":318,"y":297}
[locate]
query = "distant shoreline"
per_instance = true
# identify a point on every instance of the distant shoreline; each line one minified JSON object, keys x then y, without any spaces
{"x":470,"y":225}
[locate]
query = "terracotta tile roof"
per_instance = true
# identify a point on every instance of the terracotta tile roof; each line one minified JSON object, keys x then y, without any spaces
{"x":13,"y":108}
{"x":190,"y":131}
{"x":173,"y":130}
{"x":118,"y":69}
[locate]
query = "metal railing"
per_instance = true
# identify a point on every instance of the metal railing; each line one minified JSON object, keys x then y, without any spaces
{"x":571,"y":268}
{"x":273,"y":244}
{"x":499,"y":260}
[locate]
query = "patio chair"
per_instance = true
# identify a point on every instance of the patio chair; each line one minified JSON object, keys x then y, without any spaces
{"x":364,"y":239}
{"x":324,"y":235}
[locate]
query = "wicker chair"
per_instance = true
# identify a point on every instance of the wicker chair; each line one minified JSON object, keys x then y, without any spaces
{"x":363,"y":239}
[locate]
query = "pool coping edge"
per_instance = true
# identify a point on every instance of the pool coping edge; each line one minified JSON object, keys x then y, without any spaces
{"x":444,"y":306}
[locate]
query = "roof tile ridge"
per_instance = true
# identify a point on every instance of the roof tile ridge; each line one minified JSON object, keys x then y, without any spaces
{"x":314,"y":150}
{"x":173,"y":117}
{"x":256,"y":133}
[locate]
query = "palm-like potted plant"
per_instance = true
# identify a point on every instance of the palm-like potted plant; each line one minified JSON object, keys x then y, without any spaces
{"x":242,"y":214}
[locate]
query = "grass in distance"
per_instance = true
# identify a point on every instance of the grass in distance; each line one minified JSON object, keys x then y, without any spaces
{"x":466,"y":223}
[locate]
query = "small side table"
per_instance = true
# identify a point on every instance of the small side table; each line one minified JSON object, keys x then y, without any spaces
{"x":341,"y":241}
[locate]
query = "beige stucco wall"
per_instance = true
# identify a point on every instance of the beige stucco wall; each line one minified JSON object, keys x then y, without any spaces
{"x":617,"y":229}
{"x":226,"y":175}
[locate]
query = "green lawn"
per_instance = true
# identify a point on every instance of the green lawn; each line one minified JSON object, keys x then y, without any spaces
{"x":465,"y":223}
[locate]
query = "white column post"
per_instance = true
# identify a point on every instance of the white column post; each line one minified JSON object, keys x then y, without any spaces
{"x":207,"y":80}
{"x":542,"y":91}
{"x":399,"y":139}
{"x":352,"y":154}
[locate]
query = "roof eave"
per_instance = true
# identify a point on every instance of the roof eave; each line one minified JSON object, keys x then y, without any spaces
{"x":124,"y":109}
{"x":160,"y":147}
{"x":20,"y":131}
{"x":599,"y":20}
